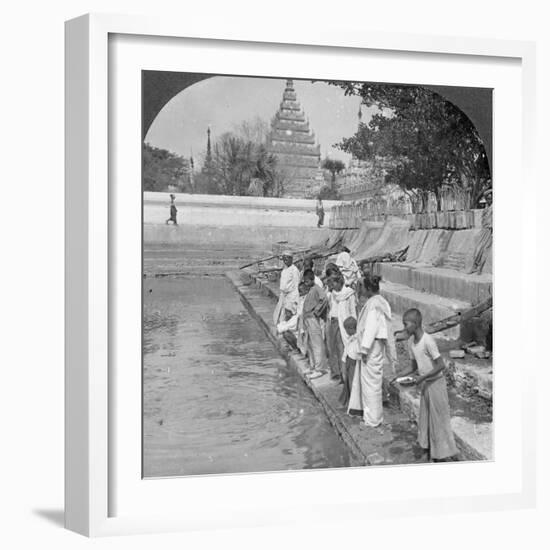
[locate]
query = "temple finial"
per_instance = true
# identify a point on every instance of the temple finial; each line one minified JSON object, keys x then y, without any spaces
{"x":208,"y":145}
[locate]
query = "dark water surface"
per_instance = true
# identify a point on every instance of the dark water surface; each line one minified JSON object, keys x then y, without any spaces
{"x":217,"y":397}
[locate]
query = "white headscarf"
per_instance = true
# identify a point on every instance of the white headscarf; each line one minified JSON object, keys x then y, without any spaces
{"x":348,"y":267}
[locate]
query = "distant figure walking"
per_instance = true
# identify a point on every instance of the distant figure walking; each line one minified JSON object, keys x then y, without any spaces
{"x":320,"y":212}
{"x":173,"y":211}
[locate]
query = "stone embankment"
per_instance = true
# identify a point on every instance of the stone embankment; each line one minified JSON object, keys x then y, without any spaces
{"x":218,"y":221}
{"x":447,"y":269}
{"x":470,"y":393}
{"x":394,"y":443}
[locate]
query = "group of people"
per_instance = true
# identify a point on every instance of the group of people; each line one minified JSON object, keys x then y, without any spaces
{"x":343,"y":325}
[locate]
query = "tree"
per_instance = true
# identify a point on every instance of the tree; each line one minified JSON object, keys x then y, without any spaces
{"x":334,"y":167}
{"x":431,"y":144}
{"x":236,"y":163}
{"x":328,"y":192}
{"x":162,"y":169}
{"x":254,"y":130}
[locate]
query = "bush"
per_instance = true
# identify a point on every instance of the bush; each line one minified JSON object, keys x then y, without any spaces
{"x":328,"y":193}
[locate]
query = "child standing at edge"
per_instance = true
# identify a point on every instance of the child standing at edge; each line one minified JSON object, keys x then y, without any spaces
{"x":435,"y":435}
{"x":351,"y":362}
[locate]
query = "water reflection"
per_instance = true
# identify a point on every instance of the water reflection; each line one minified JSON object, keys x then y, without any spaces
{"x":217,"y":396}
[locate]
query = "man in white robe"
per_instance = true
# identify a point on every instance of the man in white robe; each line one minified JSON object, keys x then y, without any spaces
{"x":288,"y":286}
{"x":376,"y":343}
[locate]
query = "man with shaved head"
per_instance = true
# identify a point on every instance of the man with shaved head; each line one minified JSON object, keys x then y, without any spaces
{"x":435,"y":434}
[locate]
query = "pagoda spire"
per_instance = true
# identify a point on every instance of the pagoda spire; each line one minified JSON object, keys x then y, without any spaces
{"x":292,"y":141}
{"x":207,"y":166}
{"x":208,"y":145}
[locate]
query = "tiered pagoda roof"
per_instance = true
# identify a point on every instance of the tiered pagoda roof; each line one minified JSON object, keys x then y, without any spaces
{"x":293,"y":143}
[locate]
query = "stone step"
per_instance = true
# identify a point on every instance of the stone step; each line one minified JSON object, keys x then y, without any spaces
{"x":433,"y":308}
{"x":470,"y":376}
{"x":448,"y":283}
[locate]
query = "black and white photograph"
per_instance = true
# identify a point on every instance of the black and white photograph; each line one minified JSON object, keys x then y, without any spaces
{"x":260,"y":301}
{"x":317,"y":274}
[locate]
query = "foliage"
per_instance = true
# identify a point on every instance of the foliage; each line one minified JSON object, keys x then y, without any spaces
{"x":431,"y":143}
{"x":254,"y":130}
{"x":334,"y":167}
{"x":328,"y":192}
{"x":163,"y":170}
{"x":240,"y":166}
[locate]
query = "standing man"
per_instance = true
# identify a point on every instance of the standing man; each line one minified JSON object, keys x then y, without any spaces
{"x":173,"y":210}
{"x":320,"y":212}
{"x":288,"y":286}
{"x":314,"y":311}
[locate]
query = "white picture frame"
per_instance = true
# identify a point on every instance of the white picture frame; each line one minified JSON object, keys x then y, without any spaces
{"x":90,"y":397}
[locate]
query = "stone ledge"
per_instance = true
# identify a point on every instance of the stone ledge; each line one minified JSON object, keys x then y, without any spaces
{"x":232,"y":235}
{"x":443,"y":282}
{"x":433,"y":308}
{"x":471,"y":376}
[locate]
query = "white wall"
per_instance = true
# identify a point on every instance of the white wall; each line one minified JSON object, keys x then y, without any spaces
{"x":224,"y":210}
{"x":303,"y":205}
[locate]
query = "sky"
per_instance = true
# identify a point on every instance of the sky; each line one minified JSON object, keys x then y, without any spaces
{"x":225,"y":101}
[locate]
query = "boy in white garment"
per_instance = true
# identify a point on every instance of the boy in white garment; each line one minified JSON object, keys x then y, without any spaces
{"x":351,"y":360}
{"x":435,"y":435}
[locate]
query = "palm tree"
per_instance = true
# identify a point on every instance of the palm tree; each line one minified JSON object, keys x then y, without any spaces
{"x":237,"y":162}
